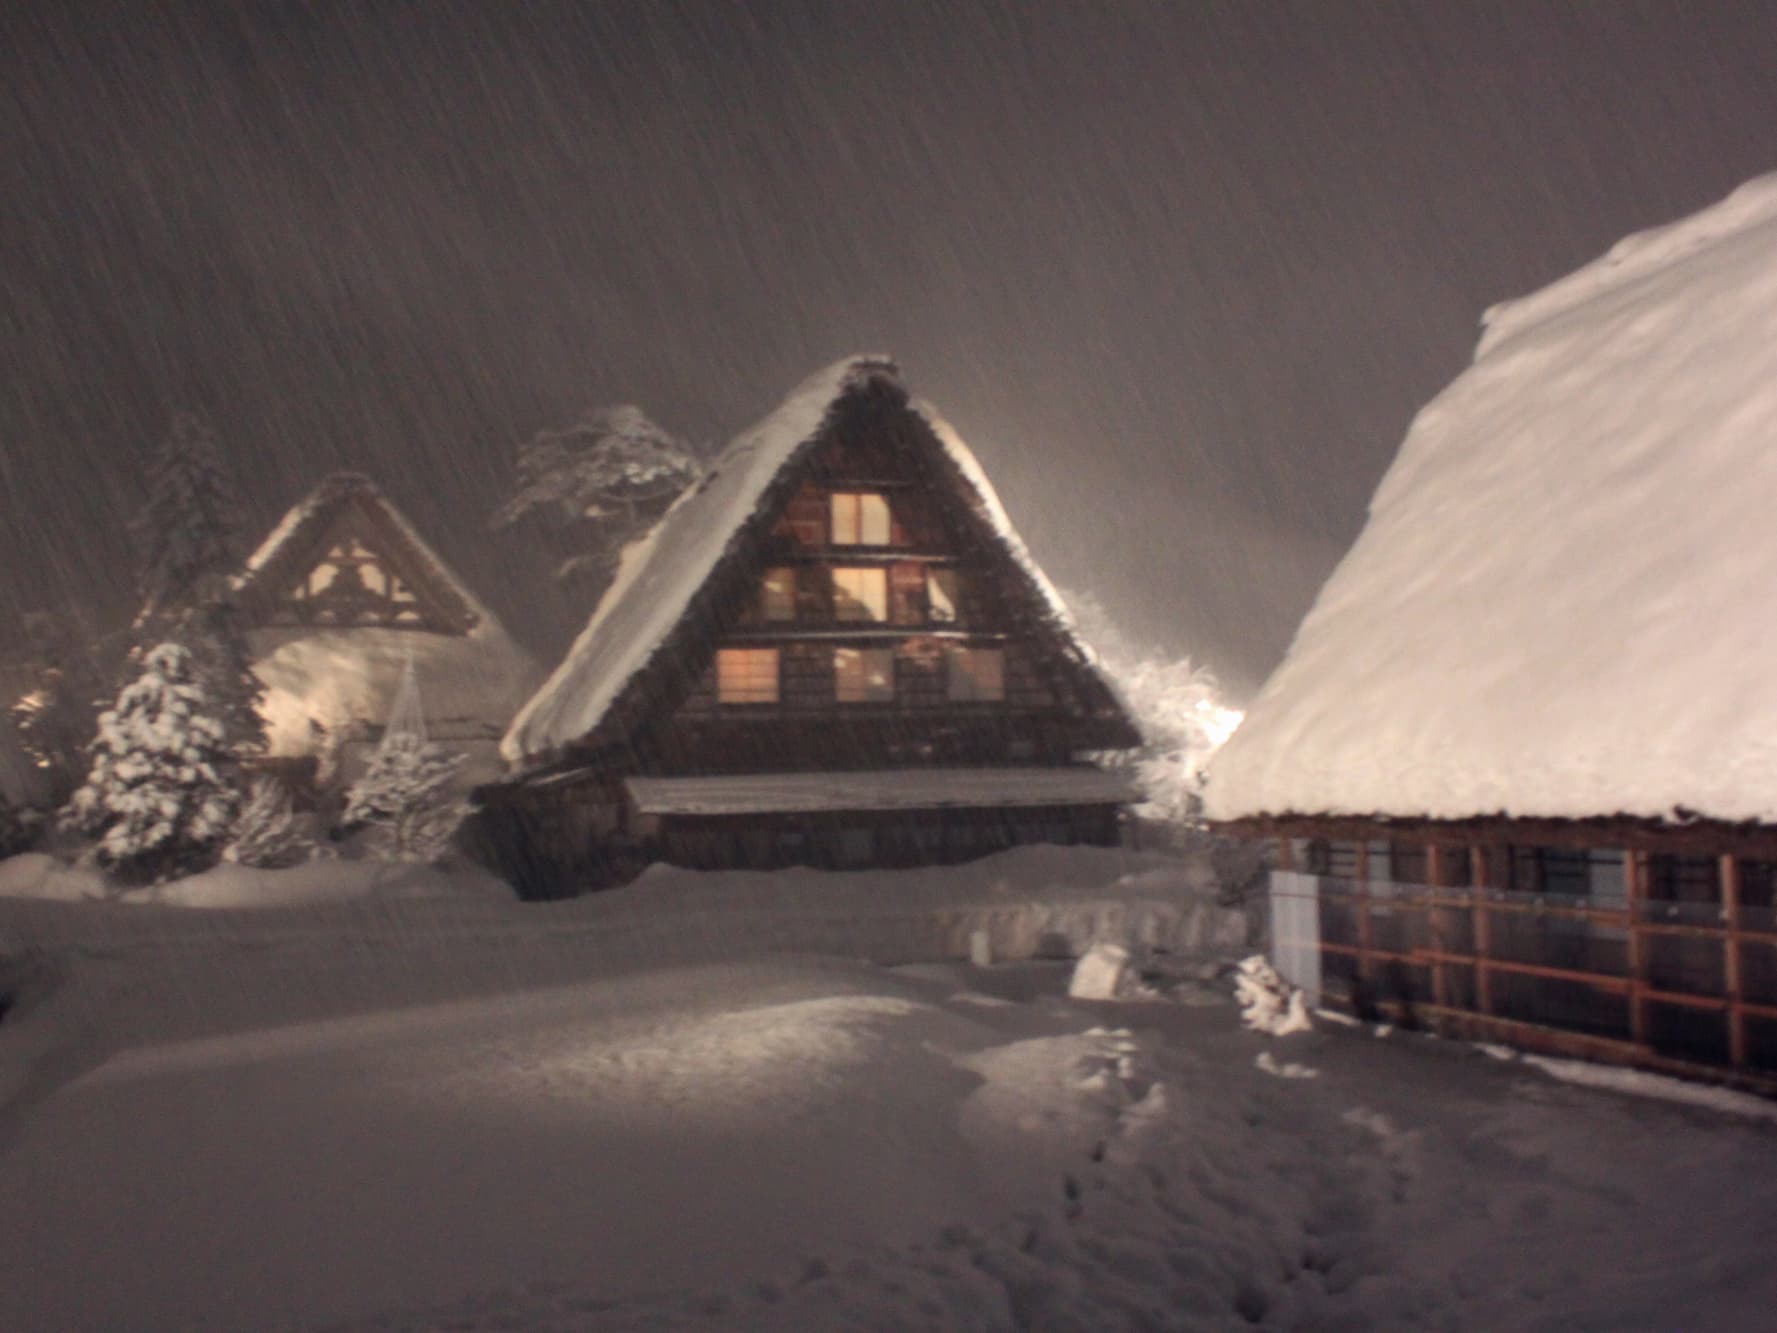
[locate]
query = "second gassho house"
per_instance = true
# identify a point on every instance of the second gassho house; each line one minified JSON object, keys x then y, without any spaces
{"x":1520,"y":762}
{"x":835,"y":650}
{"x":338,"y":599}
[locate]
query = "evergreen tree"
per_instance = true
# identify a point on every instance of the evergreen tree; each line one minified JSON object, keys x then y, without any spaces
{"x":599,"y":484}
{"x":407,"y":798}
{"x":407,"y":795}
{"x":188,"y":535}
{"x":19,"y":828}
{"x":267,"y":832}
{"x":161,"y":795}
{"x":188,"y":532}
{"x":55,"y":718}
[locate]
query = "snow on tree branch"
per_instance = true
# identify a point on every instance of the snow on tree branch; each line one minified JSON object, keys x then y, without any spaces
{"x":162,"y":792}
{"x":598,"y":482}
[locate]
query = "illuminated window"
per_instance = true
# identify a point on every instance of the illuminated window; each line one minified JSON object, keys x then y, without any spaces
{"x":777,"y":594}
{"x":860,"y":594}
{"x":860,"y":518}
{"x":941,"y":596}
{"x":746,"y":675}
{"x":864,"y":675}
{"x":977,"y":675}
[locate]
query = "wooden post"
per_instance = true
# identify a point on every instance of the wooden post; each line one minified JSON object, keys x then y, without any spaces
{"x":1483,"y":933}
{"x":1730,"y":957}
{"x":1440,"y":943}
{"x":1635,"y":884}
{"x":1366,"y":934}
{"x":1286,"y":853}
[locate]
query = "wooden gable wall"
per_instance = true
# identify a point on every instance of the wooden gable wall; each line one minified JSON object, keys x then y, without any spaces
{"x":1052,"y":704}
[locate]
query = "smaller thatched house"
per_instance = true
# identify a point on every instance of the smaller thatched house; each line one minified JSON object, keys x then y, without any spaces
{"x":1520,"y":762}
{"x":832,"y":651}
{"x":337,"y":599}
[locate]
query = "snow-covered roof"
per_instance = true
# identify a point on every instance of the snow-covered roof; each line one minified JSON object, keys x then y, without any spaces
{"x":660,"y":574}
{"x":886,"y":789}
{"x":334,"y":493}
{"x":1562,"y":603}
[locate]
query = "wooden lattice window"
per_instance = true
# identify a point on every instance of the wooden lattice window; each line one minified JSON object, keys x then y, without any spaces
{"x":351,"y":585}
{"x":746,"y":676}
{"x":860,"y":594}
{"x":860,"y":518}
{"x":976,"y":675}
{"x":941,"y":596}
{"x":777,"y":594}
{"x":864,"y":675}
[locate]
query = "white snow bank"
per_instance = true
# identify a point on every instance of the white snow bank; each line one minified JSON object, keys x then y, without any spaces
{"x":1640,"y":1083}
{"x":34,"y":875}
{"x":37,"y":875}
{"x":1559,"y":605}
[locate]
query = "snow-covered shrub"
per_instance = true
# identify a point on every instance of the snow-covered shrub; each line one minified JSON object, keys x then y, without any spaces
{"x":407,"y":798}
{"x":1177,"y":707}
{"x":161,"y":794}
{"x":20,"y":827}
{"x":1268,"y":1003}
{"x":267,"y":832}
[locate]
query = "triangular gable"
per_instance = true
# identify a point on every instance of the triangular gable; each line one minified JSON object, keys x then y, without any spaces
{"x":648,"y":617}
{"x":345,"y":557}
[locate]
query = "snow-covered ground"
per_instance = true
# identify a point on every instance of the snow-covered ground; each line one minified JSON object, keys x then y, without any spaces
{"x":731,"y":1102}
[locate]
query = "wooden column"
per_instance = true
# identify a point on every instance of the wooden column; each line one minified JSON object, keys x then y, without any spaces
{"x":1635,"y":884}
{"x":1440,"y":943}
{"x":1483,"y":932}
{"x":1286,"y":853}
{"x":1731,"y":958}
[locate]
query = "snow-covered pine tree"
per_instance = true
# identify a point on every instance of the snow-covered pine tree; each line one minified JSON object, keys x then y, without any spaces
{"x":189,"y":527}
{"x":599,"y":484}
{"x":162,"y":793}
{"x":407,"y":796}
{"x":188,"y":535}
{"x":267,"y":832}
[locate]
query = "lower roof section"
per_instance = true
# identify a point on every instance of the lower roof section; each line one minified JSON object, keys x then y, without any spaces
{"x":884,"y":789}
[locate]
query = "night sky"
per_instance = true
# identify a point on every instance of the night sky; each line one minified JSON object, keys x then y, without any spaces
{"x":1180,"y":273}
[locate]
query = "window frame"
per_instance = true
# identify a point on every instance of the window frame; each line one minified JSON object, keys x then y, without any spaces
{"x":747,"y":690}
{"x":767,"y":605}
{"x":851,"y":511}
{"x":865,"y":674}
{"x":878,"y":612}
{"x":953,"y":659}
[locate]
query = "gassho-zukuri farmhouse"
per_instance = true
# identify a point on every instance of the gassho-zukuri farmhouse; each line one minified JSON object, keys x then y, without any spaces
{"x":1520,"y":762}
{"x":834,"y":650}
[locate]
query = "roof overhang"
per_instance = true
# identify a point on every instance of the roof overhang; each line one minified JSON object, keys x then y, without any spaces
{"x":887,"y":789}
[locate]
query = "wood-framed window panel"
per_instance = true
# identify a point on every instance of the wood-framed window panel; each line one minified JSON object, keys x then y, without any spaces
{"x":943,"y":598}
{"x":777,"y":593}
{"x":975,"y":675}
{"x":864,"y":675}
{"x":747,"y":676}
{"x":860,"y":518}
{"x":860,"y":593}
